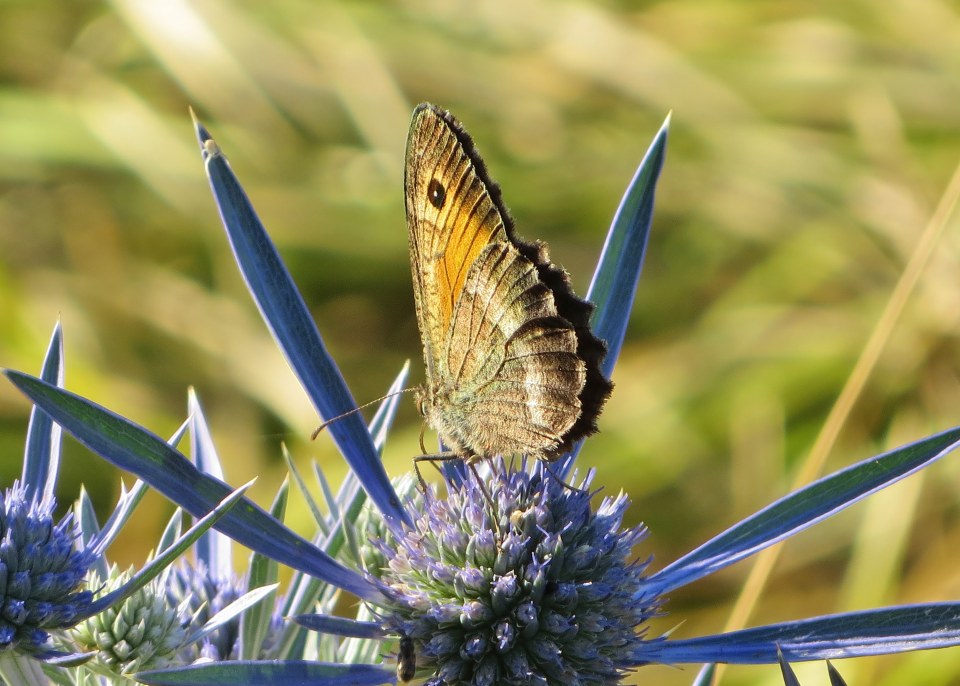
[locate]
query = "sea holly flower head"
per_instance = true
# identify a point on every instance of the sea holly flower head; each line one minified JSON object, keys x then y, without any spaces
{"x":170,"y":621}
{"x":376,"y":538}
{"x":524,"y":584}
{"x":205,"y":594}
{"x":45,"y":564}
{"x":144,"y":631}
{"x":42,"y":571}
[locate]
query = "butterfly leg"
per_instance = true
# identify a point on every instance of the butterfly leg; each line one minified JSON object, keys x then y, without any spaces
{"x":432,"y":459}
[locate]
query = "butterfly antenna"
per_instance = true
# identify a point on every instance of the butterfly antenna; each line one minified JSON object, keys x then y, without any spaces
{"x":319,"y":429}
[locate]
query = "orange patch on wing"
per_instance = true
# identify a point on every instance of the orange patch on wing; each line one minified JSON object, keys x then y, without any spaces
{"x":467,"y":239}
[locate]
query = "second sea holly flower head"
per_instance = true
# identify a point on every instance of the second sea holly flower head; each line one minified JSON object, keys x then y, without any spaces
{"x":193,"y":610}
{"x":525,"y":584}
{"x":52,"y":572}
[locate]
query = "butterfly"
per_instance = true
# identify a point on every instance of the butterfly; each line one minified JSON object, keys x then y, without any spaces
{"x":512,"y":366}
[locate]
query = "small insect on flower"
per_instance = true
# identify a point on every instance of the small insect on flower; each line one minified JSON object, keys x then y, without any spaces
{"x":406,"y":660}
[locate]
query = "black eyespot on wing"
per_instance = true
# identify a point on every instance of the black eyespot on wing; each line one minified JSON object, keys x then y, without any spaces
{"x":436,"y":193}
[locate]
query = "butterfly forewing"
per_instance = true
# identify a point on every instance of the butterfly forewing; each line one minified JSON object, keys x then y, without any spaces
{"x":450,"y":217}
{"x":512,"y":366}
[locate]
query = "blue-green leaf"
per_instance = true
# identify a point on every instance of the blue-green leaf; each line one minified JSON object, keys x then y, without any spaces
{"x":269,"y":673}
{"x":853,"y":634}
{"x":41,"y":459}
{"x":141,"y":452}
{"x":789,"y":678}
{"x":213,"y":549}
{"x":618,"y":271}
{"x":615,"y":279}
{"x":339,"y":626}
{"x":286,"y":314}
{"x":802,"y":509}
{"x":705,"y":675}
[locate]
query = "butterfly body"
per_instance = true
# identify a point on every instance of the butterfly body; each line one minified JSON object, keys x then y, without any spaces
{"x":511,"y":364}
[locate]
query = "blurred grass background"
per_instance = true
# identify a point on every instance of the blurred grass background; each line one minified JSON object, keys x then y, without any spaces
{"x":809,"y":147}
